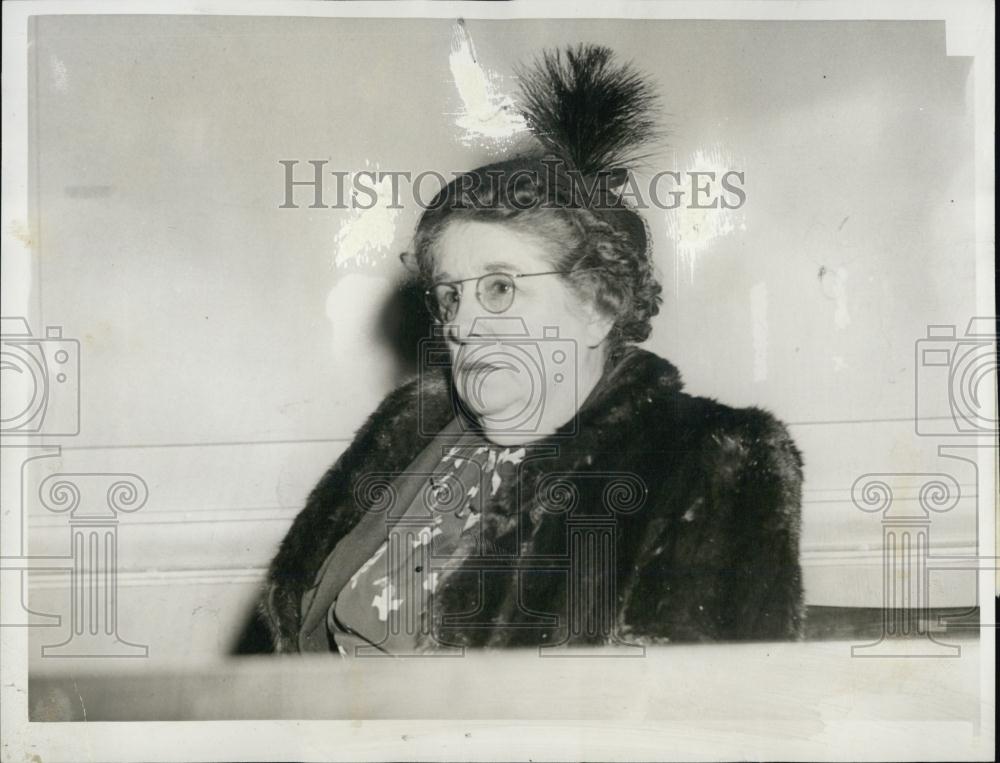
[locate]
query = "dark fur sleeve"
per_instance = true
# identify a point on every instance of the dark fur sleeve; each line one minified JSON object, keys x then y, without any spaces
{"x":765,"y":602}
{"x":723,"y":562}
{"x":327,"y":516}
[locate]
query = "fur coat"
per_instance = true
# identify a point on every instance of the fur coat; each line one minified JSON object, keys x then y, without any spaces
{"x":664,"y":518}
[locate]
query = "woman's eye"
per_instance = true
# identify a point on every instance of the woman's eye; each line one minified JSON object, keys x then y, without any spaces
{"x":501,"y":288}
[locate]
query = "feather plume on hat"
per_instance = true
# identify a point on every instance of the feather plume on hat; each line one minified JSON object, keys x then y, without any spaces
{"x":592,"y":113}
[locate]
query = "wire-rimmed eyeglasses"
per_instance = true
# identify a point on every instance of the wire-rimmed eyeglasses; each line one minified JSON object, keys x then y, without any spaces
{"x":495,"y":292}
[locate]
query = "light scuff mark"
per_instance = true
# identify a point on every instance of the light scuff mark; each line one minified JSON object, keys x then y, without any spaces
{"x":19,"y":230}
{"x":696,"y":225}
{"x":83,"y":705}
{"x":367,"y":235}
{"x":60,"y":77}
{"x":487,"y":114}
{"x":834,"y":285}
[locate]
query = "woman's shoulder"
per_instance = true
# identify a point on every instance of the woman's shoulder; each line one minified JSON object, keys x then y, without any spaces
{"x":643,"y":375}
{"x":649,"y":394}
{"x":751,"y":432}
{"x":752,"y":450}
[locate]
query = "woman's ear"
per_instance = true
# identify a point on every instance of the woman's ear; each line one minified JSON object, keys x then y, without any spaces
{"x":599,"y":325}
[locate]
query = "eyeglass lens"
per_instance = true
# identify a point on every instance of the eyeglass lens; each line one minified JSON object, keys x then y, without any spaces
{"x":495,"y":292}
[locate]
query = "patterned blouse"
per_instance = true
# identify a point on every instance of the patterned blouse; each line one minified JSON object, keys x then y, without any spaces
{"x":387,"y":606}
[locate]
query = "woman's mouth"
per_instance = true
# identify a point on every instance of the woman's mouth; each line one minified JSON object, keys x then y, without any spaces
{"x":483,"y":366}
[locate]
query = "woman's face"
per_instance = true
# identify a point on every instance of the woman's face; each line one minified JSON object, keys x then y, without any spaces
{"x":525,"y":371}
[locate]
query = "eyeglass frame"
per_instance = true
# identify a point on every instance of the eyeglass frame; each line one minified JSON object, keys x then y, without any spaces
{"x":429,"y":293}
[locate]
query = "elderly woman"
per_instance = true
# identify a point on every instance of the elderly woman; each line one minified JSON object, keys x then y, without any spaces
{"x":545,"y":482}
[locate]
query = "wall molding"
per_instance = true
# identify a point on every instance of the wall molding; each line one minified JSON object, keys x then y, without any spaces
{"x":816,"y":557}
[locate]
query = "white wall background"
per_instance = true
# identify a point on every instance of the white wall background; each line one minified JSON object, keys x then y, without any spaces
{"x":227,"y":357}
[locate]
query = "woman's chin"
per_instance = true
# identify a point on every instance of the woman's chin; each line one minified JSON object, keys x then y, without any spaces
{"x":497,"y":411}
